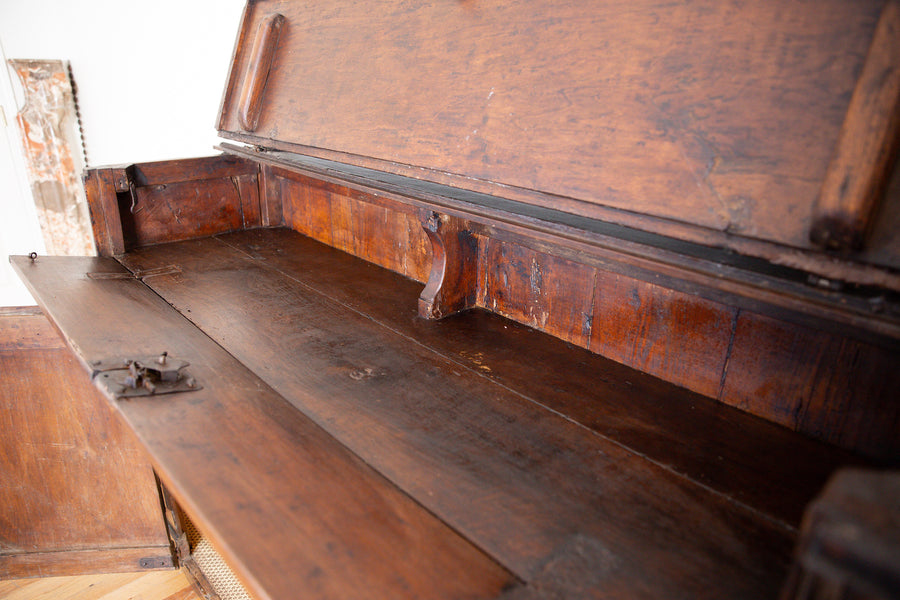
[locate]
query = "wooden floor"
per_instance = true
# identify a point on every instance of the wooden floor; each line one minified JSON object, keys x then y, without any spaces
{"x":152,"y":585}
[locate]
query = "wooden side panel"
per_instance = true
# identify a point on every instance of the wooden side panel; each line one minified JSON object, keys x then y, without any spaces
{"x":178,"y":211}
{"x":386,"y":233}
{"x":678,"y":337}
{"x":733,"y":109}
{"x":77,"y":490}
{"x":149,"y":203}
{"x":548,"y":293}
{"x":831,"y":388}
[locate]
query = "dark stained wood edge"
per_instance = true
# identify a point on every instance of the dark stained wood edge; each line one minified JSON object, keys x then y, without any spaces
{"x":792,"y":295}
{"x":85,"y":562}
{"x":181,"y":545}
{"x":262,"y":54}
{"x":100,"y":190}
{"x":860,"y":167}
{"x":271,"y":203}
{"x":192,"y":169}
{"x":452,"y":284}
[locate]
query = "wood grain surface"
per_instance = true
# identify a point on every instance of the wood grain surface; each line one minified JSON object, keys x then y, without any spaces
{"x":694,"y":435}
{"x":148,"y":203}
{"x":77,"y":490}
{"x":515,"y":478}
{"x":287,"y":506}
{"x":860,"y":168}
{"x":733,"y":109}
{"x":170,"y":585}
{"x":646,"y":315}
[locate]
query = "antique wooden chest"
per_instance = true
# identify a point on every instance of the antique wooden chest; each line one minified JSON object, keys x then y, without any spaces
{"x":660,"y":305}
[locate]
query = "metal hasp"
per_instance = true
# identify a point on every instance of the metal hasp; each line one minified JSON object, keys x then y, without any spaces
{"x":144,"y":376}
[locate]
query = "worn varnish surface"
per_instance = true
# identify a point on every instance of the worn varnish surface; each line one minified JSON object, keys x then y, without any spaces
{"x":76,"y":488}
{"x":732,"y":109}
{"x":287,"y":506}
{"x":654,"y":418}
{"x":149,"y":203}
{"x":518,"y":480}
{"x":627,"y":312}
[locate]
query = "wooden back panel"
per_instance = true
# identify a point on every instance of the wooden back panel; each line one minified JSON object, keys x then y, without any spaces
{"x":718,"y":114}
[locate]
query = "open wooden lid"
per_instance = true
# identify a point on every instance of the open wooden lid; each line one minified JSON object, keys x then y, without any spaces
{"x":718,"y":114}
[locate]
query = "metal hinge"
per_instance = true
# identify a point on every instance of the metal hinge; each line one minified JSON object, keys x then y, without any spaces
{"x":144,"y":376}
{"x":157,"y":562}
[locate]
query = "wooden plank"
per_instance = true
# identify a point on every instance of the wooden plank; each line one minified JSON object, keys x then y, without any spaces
{"x":100,"y":189}
{"x":247,"y":187}
{"x":834,"y":389}
{"x":77,"y":490}
{"x":859,"y":170}
{"x":388,"y":233}
{"x":53,"y":155}
{"x":289,"y":508}
{"x":732,"y":109}
{"x":77,"y":561}
{"x":170,"y":585}
{"x":540,"y":290}
{"x":675,"y":336}
{"x":192,"y":169}
{"x":690,"y":434}
{"x":20,"y":331}
{"x":270,"y":198}
{"x":183,"y":210}
{"x":517,"y":479}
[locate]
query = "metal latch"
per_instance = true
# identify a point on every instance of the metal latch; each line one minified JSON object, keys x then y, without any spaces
{"x":144,"y":376}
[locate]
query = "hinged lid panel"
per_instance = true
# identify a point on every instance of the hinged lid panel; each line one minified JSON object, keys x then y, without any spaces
{"x":718,"y":113}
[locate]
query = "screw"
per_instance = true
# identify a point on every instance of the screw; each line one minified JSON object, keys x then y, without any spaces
{"x":32,"y":256}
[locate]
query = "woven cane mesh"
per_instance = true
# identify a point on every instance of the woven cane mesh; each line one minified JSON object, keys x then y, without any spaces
{"x":220,"y":576}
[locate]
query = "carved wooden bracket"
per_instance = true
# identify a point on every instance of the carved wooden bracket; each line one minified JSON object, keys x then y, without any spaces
{"x":452,"y":283}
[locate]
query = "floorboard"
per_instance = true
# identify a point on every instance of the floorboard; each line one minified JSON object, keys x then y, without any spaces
{"x":154,"y":585}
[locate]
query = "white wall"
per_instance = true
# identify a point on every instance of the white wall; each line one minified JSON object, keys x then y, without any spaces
{"x":150,"y":76}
